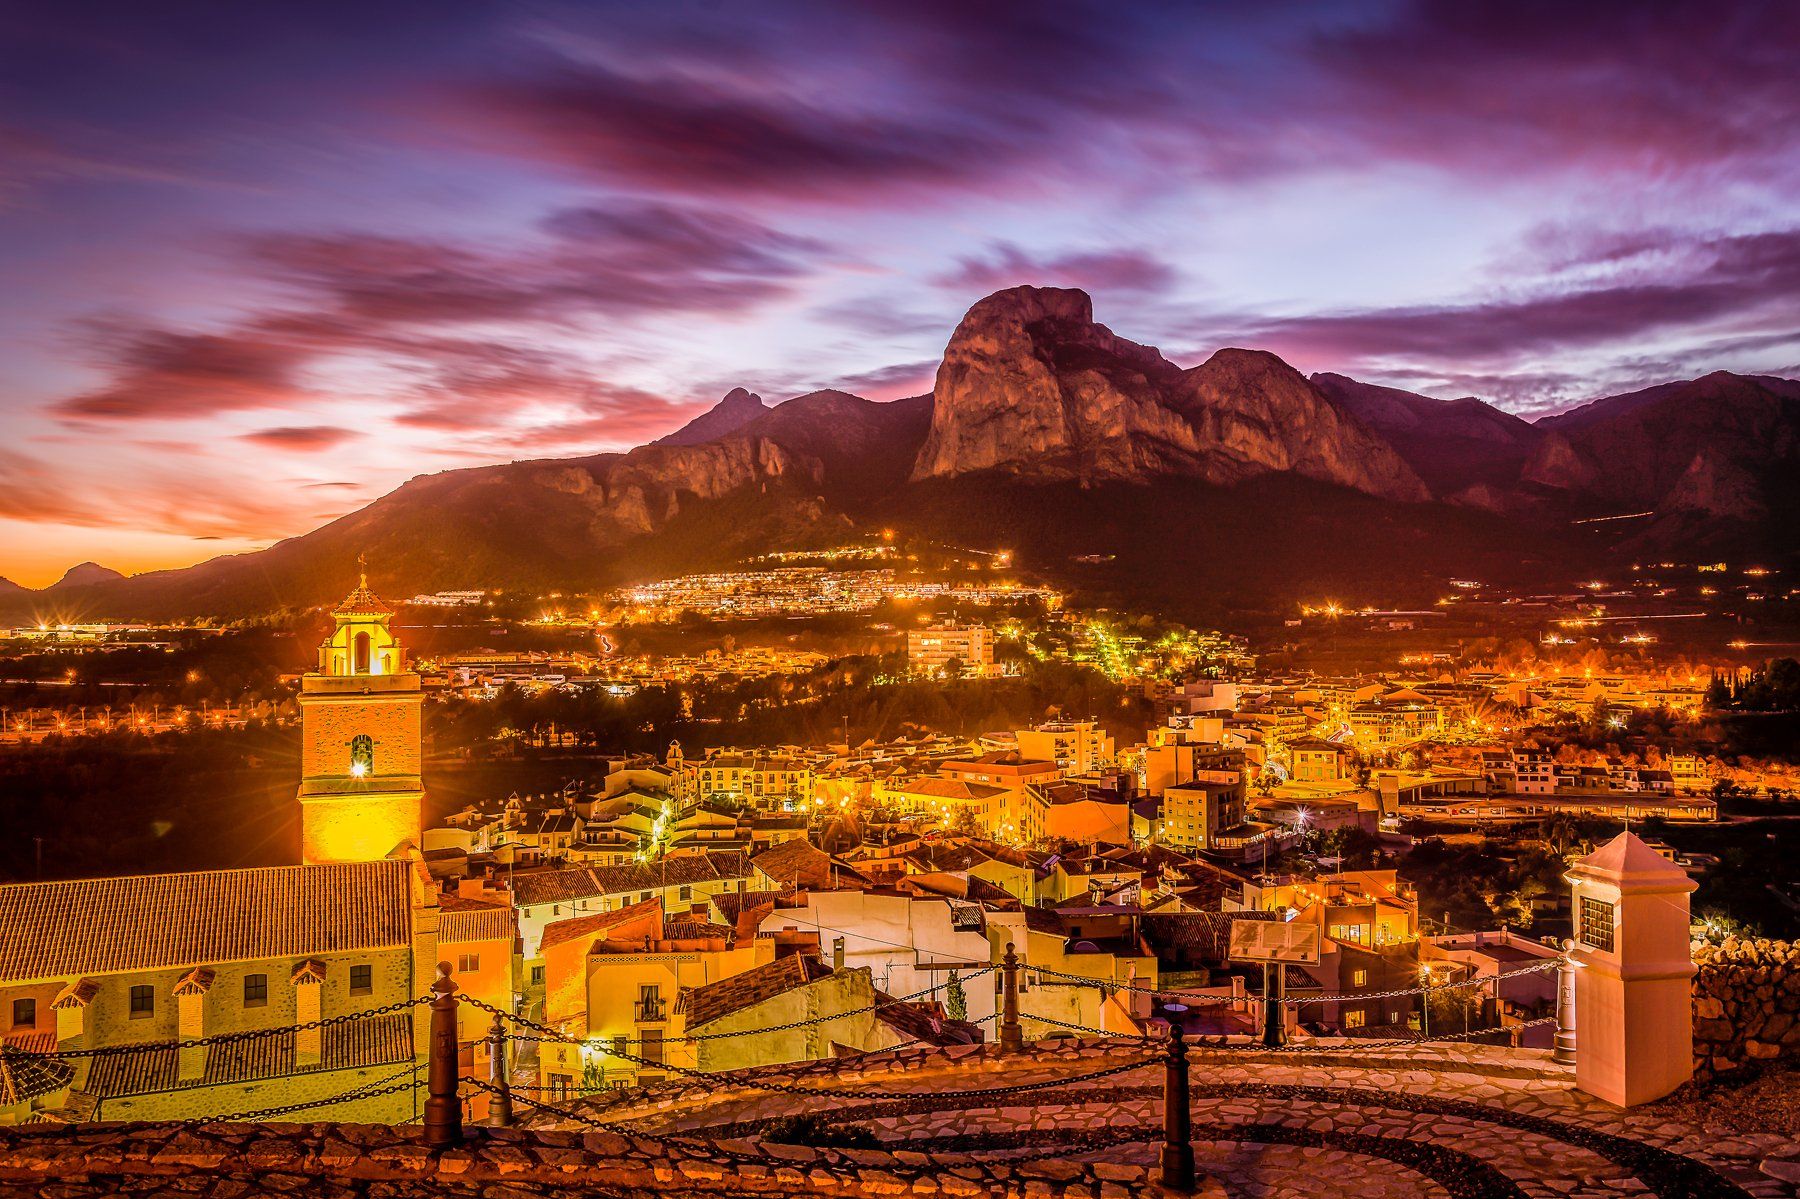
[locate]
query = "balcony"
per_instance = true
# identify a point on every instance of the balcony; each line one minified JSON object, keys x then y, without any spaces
{"x":650,"y":1011}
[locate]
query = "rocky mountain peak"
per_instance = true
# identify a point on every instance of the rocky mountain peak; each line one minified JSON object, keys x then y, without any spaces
{"x":1030,"y":385}
{"x":737,"y":409}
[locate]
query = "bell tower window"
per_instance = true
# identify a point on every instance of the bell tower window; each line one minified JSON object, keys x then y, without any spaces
{"x":362,"y":756}
{"x":359,"y":654}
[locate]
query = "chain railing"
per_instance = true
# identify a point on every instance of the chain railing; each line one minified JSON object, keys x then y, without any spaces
{"x":545,"y":1034}
{"x":1479,"y":980}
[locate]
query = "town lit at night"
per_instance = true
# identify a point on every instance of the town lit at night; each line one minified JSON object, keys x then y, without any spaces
{"x":791,"y":599}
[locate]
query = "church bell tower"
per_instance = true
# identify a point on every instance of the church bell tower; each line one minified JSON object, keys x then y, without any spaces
{"x":361,"y":754}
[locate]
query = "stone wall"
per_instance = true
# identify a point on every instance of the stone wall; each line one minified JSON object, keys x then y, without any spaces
{"x":1746,"y":1004}
{"x":337,"y":1161}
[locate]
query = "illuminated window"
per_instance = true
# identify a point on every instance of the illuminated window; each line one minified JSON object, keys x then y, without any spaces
{"x":256,"y":990}
{"x":1356,"y":1018}
{"x":1597,"y":924}
{"x":24,"y":1013}
{"x":1359,"y":978}
{"x":143,"y":1003}
{"x":362,"y":755}
{"x":362,"y":980}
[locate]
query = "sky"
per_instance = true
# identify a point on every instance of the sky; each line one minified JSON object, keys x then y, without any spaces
{"x":261,"y":263}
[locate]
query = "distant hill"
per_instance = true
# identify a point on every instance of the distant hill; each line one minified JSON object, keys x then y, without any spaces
{"x":87,"y":574}
{"x":1046,"y":433}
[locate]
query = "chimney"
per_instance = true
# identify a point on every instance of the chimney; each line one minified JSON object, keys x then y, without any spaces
{"x":837,"y":953}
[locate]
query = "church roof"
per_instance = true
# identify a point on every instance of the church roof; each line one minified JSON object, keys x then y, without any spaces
{"x":159,"y":921}
{"x":362,"y":602}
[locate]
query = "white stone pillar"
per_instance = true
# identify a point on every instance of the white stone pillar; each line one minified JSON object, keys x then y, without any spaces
{"x":1563,"y":1046}
{"x":1633,"y":968}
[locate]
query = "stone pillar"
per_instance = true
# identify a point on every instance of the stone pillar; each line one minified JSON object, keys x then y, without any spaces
{"x":1563,"y":1047}
{"x":1012,"y":1036}
{"x":1633,"y":968}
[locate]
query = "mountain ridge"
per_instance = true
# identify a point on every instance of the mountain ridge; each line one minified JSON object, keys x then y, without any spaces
{"x":1039,"y":410}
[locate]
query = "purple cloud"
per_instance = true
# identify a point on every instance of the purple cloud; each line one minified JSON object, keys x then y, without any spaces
{"x":302,"y":438}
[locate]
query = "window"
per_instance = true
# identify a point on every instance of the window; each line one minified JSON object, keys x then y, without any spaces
{"x":256,"y":990}
{"x":468,"y":963}
{"x":650,"y":1046}
{"x":1356,"y":1018}
{"x":24,"y":1013}
{"x":143,"y":1002}
{"x":1597,"y":923}
{"x":1359,"y":978}
{"x":685,"y":894}
{"x":621,"y":1046}
{"x":362,"y":755}
{"x":537,"y":976}
{"x":362,"y":980}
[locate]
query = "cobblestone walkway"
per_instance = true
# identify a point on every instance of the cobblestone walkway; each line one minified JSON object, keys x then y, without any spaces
{"x":1464,"y":1122}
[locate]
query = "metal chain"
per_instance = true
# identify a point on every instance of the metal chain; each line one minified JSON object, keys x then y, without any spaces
{"x":368,"y":1090}
{"x":1364,"y":1044}
{"x":224,"y":1038}
{"x":746,"y":1032}
{"x":1297,"y":1000}
{"x":1085,"y":1142}
{"x":731,"y":1080}
{"x":1360,"y":1042}
{"x":687,"y":1144}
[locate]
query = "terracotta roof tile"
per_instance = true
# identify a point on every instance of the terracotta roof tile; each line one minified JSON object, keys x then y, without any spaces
{"x":586,"y":926}
{"x":716,"y":1000}
{"x":146,"y":922}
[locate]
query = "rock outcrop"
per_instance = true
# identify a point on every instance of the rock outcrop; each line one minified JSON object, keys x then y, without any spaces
{"x":1032,"y":386}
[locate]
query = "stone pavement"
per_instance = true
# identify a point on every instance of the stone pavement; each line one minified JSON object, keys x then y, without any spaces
{"x":1448,"y":1122}
{"x":1439,"y":1120}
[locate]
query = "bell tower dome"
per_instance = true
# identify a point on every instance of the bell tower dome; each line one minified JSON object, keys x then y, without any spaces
{"x":361,"y":755}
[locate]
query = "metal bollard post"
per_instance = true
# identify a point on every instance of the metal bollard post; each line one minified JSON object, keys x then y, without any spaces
{"x":1562,"y":1048}
{"x":1012,"y":1037}
{"x":502,"y":1115}
{"x":1176,"y":1161}
{"x":1274,"y":1033}
{"x":443,"y":1108}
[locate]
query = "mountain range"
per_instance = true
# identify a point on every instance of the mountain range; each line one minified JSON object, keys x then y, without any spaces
{"x":1235,"y":482}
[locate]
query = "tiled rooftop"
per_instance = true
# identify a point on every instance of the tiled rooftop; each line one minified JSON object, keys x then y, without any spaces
{"x":153,"y":921}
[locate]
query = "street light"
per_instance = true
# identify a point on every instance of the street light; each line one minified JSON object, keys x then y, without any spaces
{"x":1425,"y":1001}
